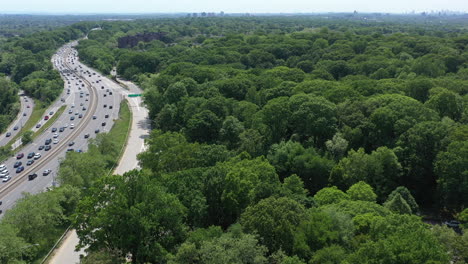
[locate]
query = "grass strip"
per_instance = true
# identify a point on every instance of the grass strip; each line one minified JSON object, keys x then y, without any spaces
{"x":50,"y":122}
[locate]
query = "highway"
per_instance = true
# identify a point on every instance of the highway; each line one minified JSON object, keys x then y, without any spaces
{"x":27,"y":105}
{"x":86,"y":94}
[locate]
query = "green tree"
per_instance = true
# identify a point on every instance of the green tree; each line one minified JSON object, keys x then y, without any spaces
{"x":274,"y":220}
{"x":130,"y":214}
{"x":27,"y":137}
{"x":407,"y":197}
{"x":451,"y":167}
{"x":361,"y":191}
{"x":329,"y":195}
{"x":398,"y":205}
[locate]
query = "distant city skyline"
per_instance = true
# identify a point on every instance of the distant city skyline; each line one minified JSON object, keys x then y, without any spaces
{"x":238,"y":6}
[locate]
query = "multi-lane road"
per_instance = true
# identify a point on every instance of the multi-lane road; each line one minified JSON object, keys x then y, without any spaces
{"x":92,"y":103}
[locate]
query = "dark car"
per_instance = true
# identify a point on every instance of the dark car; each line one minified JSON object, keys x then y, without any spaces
{"x":30,"y":155}
{"x":24,"y":114}
{"x":96,"y":131}
{"x":110,"y":93}
{"x":86,"y":136}
{"x":54,"y":129}
{"x":103,"y":124}
{"x":17,"y":164}
{"x":15,"y":128}
{"x":72,"y":118}
{"x":110,"y":107}
{"x":106,"y":116}
{"x":32,"y":176}
{"x":30,"y":162}
{"x":61,"y":129}
{"x":38,"y":125}
{"x":19,"y":169}
{"x":105,"y":105}
{"x":80,"y":115}
{"x":41,"y":147}
{"x":47,"y":148}
{"x":20,"y":156}
{"x":70,"y":150}
{"x":105,"y":95}
{"x":51,"y":112}
{"x":48,"y":141}
{"x":8,"y":134}
{"x":94,"y":117}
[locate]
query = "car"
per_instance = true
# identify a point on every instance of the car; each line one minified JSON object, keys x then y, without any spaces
{"x":24,"y":114}
{"x":452,"y":224}
{"x":86,"y":100}
{"x":46,"y":172}
{"x":102,"y":87}
{"x":72,"y":106}
{"x":37,"y":156}
{"x":65,"y":125}
{"x":54,"y":129}
{"x":105,"y":95}
{"x":96,"y":131}
{"x":80,"y":115}
{"x":7,"y":178}
{"x":86,"y":136}
{"x":56,"y":135}
{"x":61,"y":129}
{"x":3,"y":166}
{"x":76,"y":113}
{"x":106,"y":116}
{"x":30,"y":162}
{"x":28,"y":106}
{"x":41,"y":147}
{"x":110,"y":107}
{"x":94,"y":117}
{"x":84,"y":108}
{"x":110,"y":93}
{"x":103,"y":124}
{"x":8,"y":134}
{"x":72,"y":126}
{"x":15,"y":128}
{"x":46,"y":117}
{"x":32,"y":176}
{"x":56,"y":141}
{"x":70,"y":149}
{"x":48,"y":141}
{"x":51,"y":112}
{"x":19,"y":169}
{"x":20,"y":156}
{"x":72,"y":118}
{"x":71,"y":143}
{"x":81,"y":104}
{"x":70,"y":111}
{"x":4,"y":174}
{"x":31,"y":154}
{"x":38,"y":125}
{"x":17,"y":164}
{"x":105,"y":105}
{"x":47,"y":148}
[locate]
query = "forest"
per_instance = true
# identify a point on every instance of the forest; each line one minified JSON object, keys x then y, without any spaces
{"x":281,"y":140}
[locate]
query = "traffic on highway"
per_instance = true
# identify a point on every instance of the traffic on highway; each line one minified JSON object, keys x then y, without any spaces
{"x":92,"y":103}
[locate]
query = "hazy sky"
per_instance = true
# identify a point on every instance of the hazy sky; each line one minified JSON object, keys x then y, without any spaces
{"x":228,"y":6}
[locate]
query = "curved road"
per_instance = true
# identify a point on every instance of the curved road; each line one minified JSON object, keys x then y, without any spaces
{"x":27,"y":106}
{"x":140,"y":129}
{"x":77,"y":102}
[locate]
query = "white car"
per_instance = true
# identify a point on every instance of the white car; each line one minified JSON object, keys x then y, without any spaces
{"x":7,"y":178}
{"x":4,"y":174}
{"x":72,"y":126}
{"x":55,"y":135}
{"x":37,"y":156}
{"x":56,"y":141}
{"x":3,"y":166}
{"x":66,"y":125}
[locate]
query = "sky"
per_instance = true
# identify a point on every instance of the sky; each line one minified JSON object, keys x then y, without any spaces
{"x":228,"y":6}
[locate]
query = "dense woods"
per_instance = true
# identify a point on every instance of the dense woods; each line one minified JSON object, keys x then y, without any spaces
{"x":282,"y":140}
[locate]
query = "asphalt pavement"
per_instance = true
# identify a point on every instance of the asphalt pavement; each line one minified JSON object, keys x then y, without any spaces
{"x":27,"y":106}
{"x":79,"y":96}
